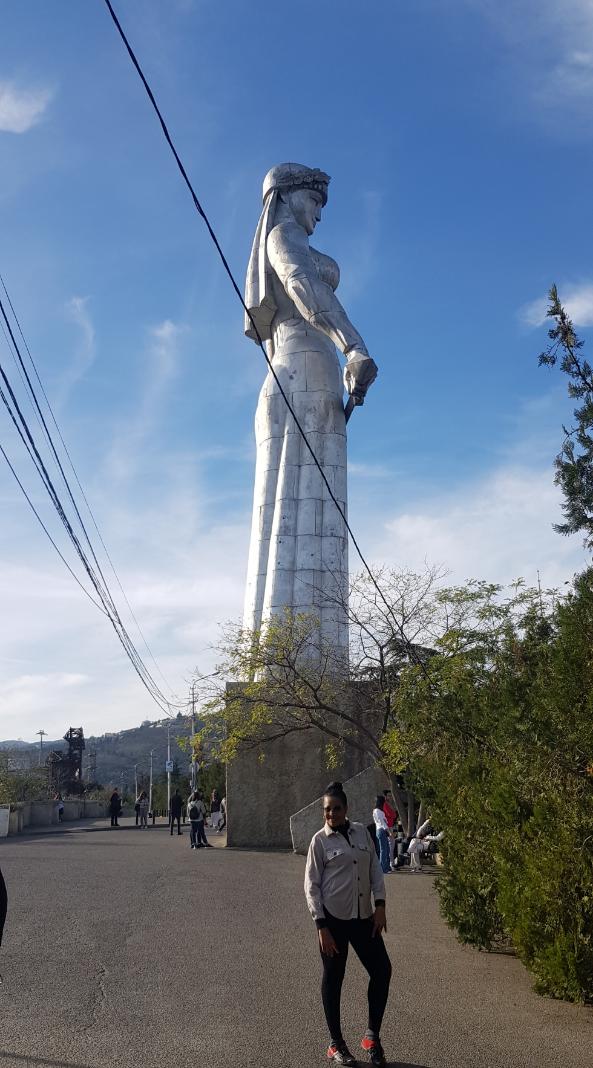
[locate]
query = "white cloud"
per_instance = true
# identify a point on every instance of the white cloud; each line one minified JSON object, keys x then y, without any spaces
{"x":84,"y":356}
{"x":21,"y":109}
{"x":161,"y":367}
{"x":550,"y":63}
{"x":61,"y":664}
{"x":183,"y":569}
{"x":363,"y":470}
{"x":577,"y":300}
{"x":498,"y":528}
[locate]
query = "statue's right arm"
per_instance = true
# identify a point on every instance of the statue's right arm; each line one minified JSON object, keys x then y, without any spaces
{"x":290,"y":257}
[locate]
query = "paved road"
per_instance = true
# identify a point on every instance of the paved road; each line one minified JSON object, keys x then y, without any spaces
{"x":125,"y":949}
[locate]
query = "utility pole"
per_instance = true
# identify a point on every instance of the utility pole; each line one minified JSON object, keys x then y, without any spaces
{"x":168,"y":772}
{"x":41,"y":737}
{"x":193,"y":731}
{"x":150,"y":787}
{"x":135,"y":781}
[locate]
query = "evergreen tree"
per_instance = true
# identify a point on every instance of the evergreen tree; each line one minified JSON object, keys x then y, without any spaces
{"x":574,"y":462}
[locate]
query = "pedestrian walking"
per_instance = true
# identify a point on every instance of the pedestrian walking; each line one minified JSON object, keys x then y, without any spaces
{"x":114,"y":808}
{"x":176,"y":810}
{"x":60,"y":800}
{"x":222,"y":815}
{"x":382,"y":830}
{"x":215,"y":816}
{"x":196,"y":811}
{"x":202,"y":840}
{"x":142,"y":803}
{"x":342,"y":872}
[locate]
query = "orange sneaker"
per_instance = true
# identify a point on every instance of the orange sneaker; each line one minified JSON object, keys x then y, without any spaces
{"x":373,"y":1047}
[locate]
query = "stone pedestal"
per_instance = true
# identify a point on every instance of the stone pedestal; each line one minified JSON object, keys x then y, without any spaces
{"x":361,"y":792}
{"x":265,"y":787}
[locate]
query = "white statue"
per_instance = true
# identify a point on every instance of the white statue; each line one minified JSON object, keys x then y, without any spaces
{"x":298,"y":555}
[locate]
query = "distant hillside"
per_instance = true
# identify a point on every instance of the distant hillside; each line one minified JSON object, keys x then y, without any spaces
{"x":18,"y":743}
{"x":116,"y":753}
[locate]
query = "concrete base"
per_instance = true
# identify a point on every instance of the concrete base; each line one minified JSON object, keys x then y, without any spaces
{"x":266,"y":786}
{"x":263,"y":794}
{"x":361,"y":791}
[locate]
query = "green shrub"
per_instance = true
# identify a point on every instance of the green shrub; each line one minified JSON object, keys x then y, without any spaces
{"x":499,"y":733}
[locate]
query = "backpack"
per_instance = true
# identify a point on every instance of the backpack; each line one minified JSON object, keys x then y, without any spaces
{"x":194,"y":813}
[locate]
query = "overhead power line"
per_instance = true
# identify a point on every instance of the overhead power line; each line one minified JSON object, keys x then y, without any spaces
{"x":42,"y":524}
{"x":203,"y":215}
{"x":100,"y":585}
{"x":25,"y":379}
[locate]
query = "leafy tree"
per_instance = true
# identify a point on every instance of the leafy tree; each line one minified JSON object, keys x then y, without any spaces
{"x":574,"y":462}
{"x":285,"y":680}
{"x":24,"y":785}
{"x":498,"y":732}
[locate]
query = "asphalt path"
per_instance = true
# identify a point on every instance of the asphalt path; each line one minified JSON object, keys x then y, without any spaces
{"x":126,"y":949}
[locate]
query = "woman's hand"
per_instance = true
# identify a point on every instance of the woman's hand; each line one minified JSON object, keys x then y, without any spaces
{"x":359,"y":373}
{"x":327,"y":942}
{"x":379,"y":920}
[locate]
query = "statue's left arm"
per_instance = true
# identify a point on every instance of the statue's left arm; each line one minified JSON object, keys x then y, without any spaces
{"x":290,"y":258}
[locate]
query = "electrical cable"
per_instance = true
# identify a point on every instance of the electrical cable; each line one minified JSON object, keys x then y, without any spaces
{"x":25,"y":378}
{"x":104,"y":594}
{"x":128,"y":646}
{"x":227,"y":268}
{"x":42,"y":524}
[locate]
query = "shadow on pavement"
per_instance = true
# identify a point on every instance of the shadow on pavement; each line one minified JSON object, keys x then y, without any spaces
{"x":395,"y":1064}
{"x":26,"y":1059}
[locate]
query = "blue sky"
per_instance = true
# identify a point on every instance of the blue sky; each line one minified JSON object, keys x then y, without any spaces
{"x":459,"y":140}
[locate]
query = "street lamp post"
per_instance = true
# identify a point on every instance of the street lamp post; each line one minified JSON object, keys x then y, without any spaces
{"x":41,"y":737}
{"x":168,"y":772}
{"x":193,"y":731}
{"x":135,"y":781}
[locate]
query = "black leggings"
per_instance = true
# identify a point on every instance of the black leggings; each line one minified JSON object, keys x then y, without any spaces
{"x":373,"y":956}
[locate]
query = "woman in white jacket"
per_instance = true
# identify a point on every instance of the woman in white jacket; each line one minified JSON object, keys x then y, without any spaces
{"x":341,"y":875}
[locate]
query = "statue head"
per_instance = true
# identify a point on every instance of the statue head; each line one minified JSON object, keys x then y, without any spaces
{"x":291,"y":187}
{"x":288,"y":177}
{"x":303,"y":189}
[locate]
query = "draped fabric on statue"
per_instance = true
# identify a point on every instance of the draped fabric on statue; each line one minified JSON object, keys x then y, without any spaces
{"x":299,"y":546}
{"x":258,"y":285}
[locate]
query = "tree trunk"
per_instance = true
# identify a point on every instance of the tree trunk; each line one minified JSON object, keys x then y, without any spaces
{"x":402,"y":801}
{"x":420,"y":816}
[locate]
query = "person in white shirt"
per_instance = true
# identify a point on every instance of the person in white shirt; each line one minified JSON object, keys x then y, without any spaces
{"x":196,"y":811}
{"x":382,"y":831}
{"x":342,"y":872}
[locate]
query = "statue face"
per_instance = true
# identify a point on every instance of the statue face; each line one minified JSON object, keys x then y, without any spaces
{"x":306,"y":205}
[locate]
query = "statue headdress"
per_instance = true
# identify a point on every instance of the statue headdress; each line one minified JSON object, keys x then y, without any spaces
{"x":283,"y":178}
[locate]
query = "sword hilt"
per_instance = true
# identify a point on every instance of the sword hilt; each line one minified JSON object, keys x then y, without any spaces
{"x":355,"y":400}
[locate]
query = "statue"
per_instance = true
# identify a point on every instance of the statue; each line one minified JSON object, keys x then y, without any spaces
{"x":298,"y":556}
